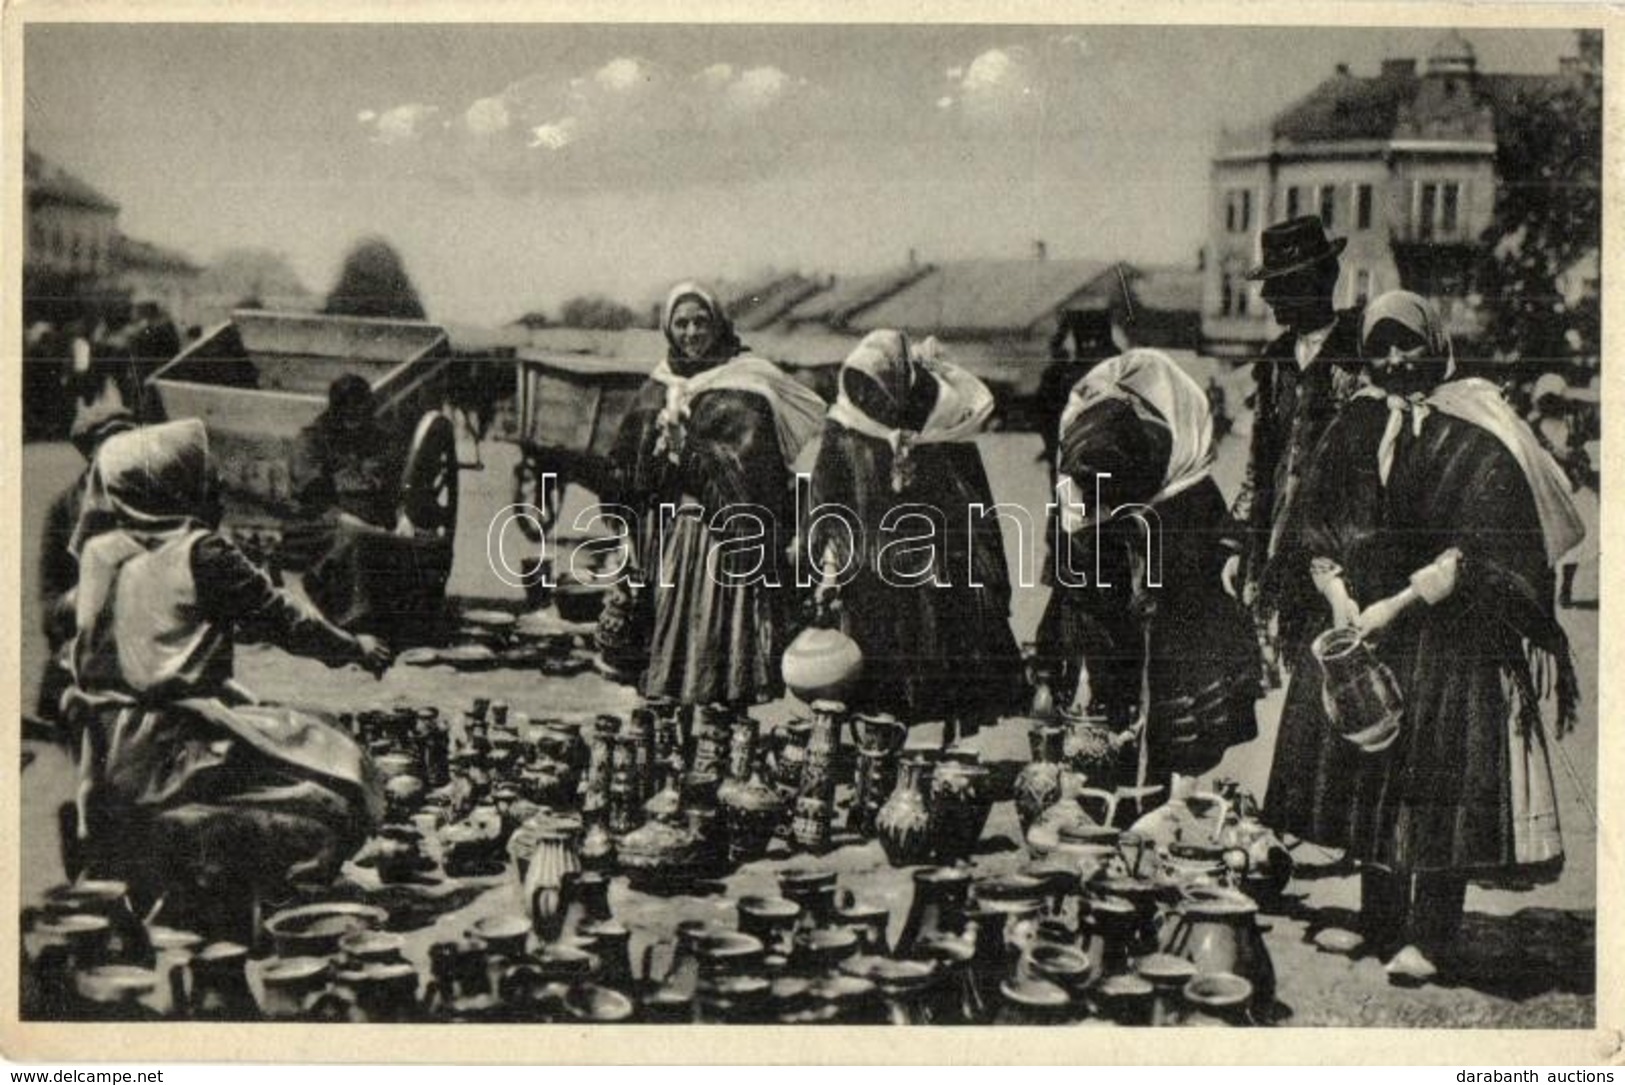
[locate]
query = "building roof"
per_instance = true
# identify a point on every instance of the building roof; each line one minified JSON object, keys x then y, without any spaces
{"x":131,"y":254}
{"x":1351,"y":107}
{"x":757,"y":305}
{"x":845,"y":295}
{"x":46,"y":183}
{"x":1170,"y":289}
{"x":984,"y":297}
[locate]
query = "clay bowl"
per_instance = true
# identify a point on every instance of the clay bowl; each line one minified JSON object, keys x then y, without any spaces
{"x":315,"y":930}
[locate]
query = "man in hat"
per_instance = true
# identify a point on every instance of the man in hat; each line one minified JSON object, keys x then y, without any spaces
{"x":1304,"y":377}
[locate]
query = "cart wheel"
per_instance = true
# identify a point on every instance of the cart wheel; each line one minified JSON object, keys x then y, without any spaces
{"x":429,"y":486}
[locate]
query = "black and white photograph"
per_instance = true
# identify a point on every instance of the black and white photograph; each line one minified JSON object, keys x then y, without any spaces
{"x":1038,"y":524}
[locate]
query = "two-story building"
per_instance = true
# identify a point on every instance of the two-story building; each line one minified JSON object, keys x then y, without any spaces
{"x":1401,"y":163}
{"x":70,"y":231}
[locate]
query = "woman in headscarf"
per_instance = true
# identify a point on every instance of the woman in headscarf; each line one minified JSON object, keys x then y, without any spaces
{"x":713,"y":433}
{"x":1430,"y":522}
{"x":190,"y":789}
{"x":933,"y":622}
{"x":1138,"y":611}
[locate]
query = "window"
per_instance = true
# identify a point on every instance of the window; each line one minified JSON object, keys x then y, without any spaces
{"x":1328,"y":205}
{"x":1437,"y":210}
{"x":77,"y":249}
{"x":1238,"y":210}
{"x":1362,"y":286}
{"x":36,"y":238}
{"x":1449,"y":201}
{"x":1234,"y":290}
{"x":1427,"y":208}
{"x":1292,"y":206}
{"x":1362,"y":207}
{"x":58,"y":249}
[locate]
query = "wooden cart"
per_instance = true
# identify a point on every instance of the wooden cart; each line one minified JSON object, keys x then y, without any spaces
{"x":260,"y":380}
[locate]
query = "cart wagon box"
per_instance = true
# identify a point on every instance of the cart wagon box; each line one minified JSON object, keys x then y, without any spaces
{"x":259,"y":380}
{"x":575,"y":402}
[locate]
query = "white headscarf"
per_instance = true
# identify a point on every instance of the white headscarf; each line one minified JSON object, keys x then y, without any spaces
{"x":963,"y":403}
{"x":1478,"y":402}
{"x":1159,"y":392}
{"x":798,"y":412}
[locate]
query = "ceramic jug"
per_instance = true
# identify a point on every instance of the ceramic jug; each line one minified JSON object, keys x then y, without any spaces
{"x":903,"y":824}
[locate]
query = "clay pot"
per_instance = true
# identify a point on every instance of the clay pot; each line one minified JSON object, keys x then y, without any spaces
{"x":821,"y":664}
{"x":314,"y":930}
{"x":773,"y":920}
{"x":220,"y":990}
{"x":1218,"y":999}
{"x":553,"y":861}
{"x":1168,"y":974}
{"x":289,"y":985}
{"x":940,"y":904}
{"x":960,"y":805}
{"x":1033,"y":1001}
{"x":1217,"y":929}
{"x":814,"y":891}
{"x":1038,"y":784}
{"x":1362,"y":697}
{"x":903,"y":824}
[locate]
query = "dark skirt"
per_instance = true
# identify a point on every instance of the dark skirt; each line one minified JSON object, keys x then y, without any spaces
{"x":1452,"y":793}
{"x":186,"y":808}
{"x":715,"y":640}
{"x":932,"y":653}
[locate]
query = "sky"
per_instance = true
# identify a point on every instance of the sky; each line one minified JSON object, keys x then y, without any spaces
{"x":516,"y":166}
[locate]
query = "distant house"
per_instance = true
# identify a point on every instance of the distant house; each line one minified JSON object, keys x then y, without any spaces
{"x":844,"y":296}
{"x":70,"y":229}
{"x":753,"y":306}
{"x":71,"y":226}
{"x":1401,"y":163}
{"x":148,"y":272}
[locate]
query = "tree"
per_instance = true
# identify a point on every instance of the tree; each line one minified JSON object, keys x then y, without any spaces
{"x":373,"y":282}
{"x":1548,"y":217}
{"x":596,"y":311}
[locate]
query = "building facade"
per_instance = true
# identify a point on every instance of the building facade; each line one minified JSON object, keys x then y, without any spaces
{"x":71,"y":228}
{"x":1402,"y":164}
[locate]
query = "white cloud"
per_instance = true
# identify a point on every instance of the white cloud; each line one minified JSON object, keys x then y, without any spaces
{"x":955,"y":74}
{"x":757,"y":88}
{"x":403,"y":123}
{"x":366,"y":116}
{"x":998,"y":86}
{"x":945,"y":102}
{"x":992,"y":70}
{"x":1073,"y":41}
{"x":622,"y":74}
{"x":555,"y":136}
{"x":717,"y":75}
{"x":487,"y":116}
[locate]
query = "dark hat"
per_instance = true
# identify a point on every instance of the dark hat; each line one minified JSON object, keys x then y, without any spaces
{"x":1294,"y":245}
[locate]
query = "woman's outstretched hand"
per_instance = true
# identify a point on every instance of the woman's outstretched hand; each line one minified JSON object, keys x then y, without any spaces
{"x":373,"y":654}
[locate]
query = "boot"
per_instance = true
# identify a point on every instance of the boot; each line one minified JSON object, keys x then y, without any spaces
{"x":1384,"y":895}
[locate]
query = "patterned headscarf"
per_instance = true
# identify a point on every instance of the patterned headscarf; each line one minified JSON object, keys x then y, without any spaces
{"x":891,"y":367}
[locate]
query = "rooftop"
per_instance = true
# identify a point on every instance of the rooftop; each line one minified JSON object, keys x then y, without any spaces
{"x":45,"y":183}
{"x":984,"y":297}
